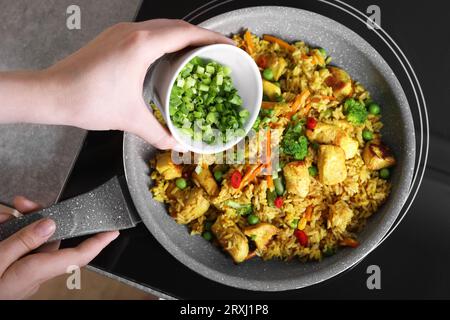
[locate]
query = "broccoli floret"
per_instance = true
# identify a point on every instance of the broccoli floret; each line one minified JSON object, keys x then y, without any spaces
{"x":356,"y":111}
{"x":294,"y":143}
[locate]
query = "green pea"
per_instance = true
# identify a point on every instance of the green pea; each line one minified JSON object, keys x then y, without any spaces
{"x":279,"y":98}
{"x":268,"y":74}
{"x":374,"y":108}
{"x":207,"y":235}
{"x":384,"y":173}
{"x":181,"y":183}
{"x":329,"y":252}
{"x":315,"y":145}
{"x":294,"y":224}
{"x":367,"y":135}
{"x":208,"y":225}
{"x":218,"y":175}
{"x":252,"y":219}
{"x":312,"y":171}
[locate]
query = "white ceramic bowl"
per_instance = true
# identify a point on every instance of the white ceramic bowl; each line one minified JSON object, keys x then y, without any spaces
{"x":245,"y":76}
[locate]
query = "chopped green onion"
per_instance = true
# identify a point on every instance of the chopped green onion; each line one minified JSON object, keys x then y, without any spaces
{"x":279,"y":187}
{"x":204,"y":91}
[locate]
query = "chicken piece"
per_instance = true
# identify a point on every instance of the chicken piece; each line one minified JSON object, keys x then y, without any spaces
{"x":261,"y":234}
{"x":340,"y":82}
{"x":206,"y":180}
{"x":166,"y":167}
{"x":231,"y":238}
{"x":278,"y":66}
{"x":340,"y":216}
{"x":331,"y":134}
{"x":194,"y":206}
{"x":331,"y":164}
{"x":322,"y":133}
{"x":271,"y":90}
{"x":349,"y":145}
{"x":377,"y":156}
{"x":297,"y":178}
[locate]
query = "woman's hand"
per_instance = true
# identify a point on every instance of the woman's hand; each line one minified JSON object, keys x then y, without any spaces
{"x":100,"y":86}
{"x":26,"y":261}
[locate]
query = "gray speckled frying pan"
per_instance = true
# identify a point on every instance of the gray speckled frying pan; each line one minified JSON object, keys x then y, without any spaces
{"x":350,"y":52}
{"x":364,"y":64}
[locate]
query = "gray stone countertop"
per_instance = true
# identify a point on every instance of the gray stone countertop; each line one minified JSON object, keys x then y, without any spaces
{"x":35,"y":160}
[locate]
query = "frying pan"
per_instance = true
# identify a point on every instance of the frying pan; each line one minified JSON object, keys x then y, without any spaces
{"x":107,"y":207}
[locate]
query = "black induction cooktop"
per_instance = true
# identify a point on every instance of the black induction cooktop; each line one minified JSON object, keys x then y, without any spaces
{"x":414,"y":261}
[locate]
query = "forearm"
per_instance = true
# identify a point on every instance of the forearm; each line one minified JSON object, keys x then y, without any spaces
{"x":30,"y":97}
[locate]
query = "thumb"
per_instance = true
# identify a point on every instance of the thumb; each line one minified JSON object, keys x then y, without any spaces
{"x":24,"y":241}
{"x":150,"y":129}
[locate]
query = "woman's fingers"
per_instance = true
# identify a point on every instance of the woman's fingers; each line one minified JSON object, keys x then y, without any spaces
{"x":175,"y":35}
{"x":40,"y":267}
{"x":49,"y":247}
{"x":4,"y":217}
{"x":22,"y":242}
{"x":148,"y":128}
{"x":24,"y":205}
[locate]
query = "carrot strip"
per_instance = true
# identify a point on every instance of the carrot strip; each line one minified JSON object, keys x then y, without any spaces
{"x":268,"y":104}
{"x":250,"y":255}
{"x":299,"y":101}
{"x":270,"y":184}
{"x":349,"y":242}
{"x":280,"y":42}
{"x":250,"y":175}
{"x":319,"y":97}
{"x":249,"y":42}
{"x":268,"y":165}
{"x":327,"y":97}
{"x":308,"y":212}
{"x":269,"y":150}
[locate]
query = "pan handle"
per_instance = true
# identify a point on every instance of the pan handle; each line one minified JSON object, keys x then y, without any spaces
{"x":105,"y":208}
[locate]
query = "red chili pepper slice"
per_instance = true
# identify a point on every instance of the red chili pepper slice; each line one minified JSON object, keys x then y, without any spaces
{"x":236,"y":178}
{"x":262,"y":61}
{"x":311,"y":123}
{"x":301,"y":237}
{"x":278,"y":202}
